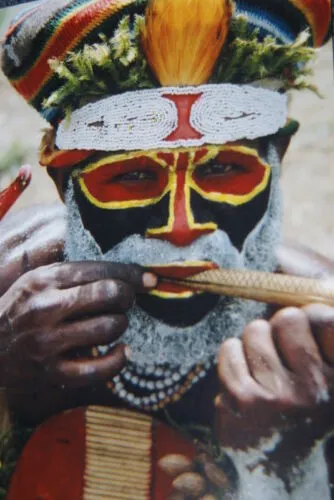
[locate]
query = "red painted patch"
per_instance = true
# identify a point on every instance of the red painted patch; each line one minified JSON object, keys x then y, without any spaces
{"x":63,"y":159}
{"x":109,"y":183}
{"x":52,"y":464}
{"x":168,"y":158}
{"x":240,"y":181}
{"x":199,"y":154}
{"x":178,"y":272}
{"x":183,"y":103}
{"x":181,"y":233}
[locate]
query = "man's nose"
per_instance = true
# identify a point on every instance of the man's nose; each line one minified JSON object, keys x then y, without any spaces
{"x":181,"y":229}
{"x":181,"y":234}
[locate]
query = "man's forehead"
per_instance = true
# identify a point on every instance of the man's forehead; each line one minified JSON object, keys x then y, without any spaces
{"x":168,"y":157}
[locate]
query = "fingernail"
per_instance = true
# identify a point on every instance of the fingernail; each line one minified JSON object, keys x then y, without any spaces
{"x":127,"y":352}
{"x":149,"y":280}
{"x":87,"y":369}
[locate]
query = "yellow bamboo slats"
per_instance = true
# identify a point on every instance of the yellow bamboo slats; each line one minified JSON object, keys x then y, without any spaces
{"x":118,"y":455}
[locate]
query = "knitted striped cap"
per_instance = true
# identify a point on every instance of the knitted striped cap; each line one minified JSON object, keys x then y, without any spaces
{"x":285,"y":19}
{"x":55,"y":28}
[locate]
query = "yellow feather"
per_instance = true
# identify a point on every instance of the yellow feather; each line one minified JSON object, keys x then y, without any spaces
{"x":182,"y":39}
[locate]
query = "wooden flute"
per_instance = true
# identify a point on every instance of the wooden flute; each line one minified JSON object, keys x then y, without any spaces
{"x":271,"y":288}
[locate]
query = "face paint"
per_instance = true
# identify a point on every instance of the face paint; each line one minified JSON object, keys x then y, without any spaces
{"x":184,"y":334}
{"x":166,"y":194}
{"x":178,"y":197}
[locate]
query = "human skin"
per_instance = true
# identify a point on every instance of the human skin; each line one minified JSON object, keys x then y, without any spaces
{"x":274,"y":377}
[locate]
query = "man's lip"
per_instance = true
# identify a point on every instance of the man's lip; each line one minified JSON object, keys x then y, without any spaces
{"x":178,"y":270}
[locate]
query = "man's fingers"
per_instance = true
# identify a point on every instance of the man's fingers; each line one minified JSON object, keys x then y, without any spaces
{"x":292,"y":333}
{"x":37,"y":223}
{"x":52,"y":306}
{"x":79,"y":273}
{"x":238,"y":386}
{"x":232,"y":364}
{"x":232,"y":369}
{"x":101,"y":330}
{"x":30,"y":241}
{"x":106,"y":296}
{"x":293,"y":336}
{"x":83,"y":372}
{"x":263,"y":360}
{"x":321,"y":318}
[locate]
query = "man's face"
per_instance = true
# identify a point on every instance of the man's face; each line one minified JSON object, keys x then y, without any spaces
{"x":176,"y":196}
{"x":180,"y":211}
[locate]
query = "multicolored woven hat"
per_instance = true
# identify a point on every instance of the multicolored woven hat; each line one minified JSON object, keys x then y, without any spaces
{"x":143,"y":74}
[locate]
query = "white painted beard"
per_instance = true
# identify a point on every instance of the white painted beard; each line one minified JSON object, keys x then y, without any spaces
{"x":150,"y":340}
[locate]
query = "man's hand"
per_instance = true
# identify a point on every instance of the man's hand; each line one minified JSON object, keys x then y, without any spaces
{"x":30,"y":238}
{"x":280,"y":374}
{"x":52,"y":311}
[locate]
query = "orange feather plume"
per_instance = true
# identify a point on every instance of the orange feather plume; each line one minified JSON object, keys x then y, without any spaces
{"x":182,"y":39}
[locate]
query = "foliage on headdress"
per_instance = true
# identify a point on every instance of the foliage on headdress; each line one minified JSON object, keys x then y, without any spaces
{"x":118,"y":64}
{"x":245,"y":59}
{"x":105,"y":68}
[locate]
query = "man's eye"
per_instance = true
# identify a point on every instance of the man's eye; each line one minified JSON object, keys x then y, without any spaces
{"x":137,"y":176}
{"x":214,"y":169}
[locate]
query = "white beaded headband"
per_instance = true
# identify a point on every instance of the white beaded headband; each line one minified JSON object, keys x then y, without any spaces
{"x":174,"y":117}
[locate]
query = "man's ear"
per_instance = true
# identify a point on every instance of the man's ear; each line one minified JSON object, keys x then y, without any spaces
{"x":283,"y":137}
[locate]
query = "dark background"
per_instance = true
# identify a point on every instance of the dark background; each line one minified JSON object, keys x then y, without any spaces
{"x":10,"y":3}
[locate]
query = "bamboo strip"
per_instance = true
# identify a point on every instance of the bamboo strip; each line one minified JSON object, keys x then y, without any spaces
{"x":123,"y":414}
{"x":118,"y":482}
{"x":113,"y":483}
{"x":106,"y":472}
{"x":115,"y":496}
{"x":118,"y":454}
{"x":120,"y":444}
{"x":120,"y":460}
{"x":102,"y":430}
{"x":108,"y":453}
{"x":132,"y":492}
{"x":106,"y":426}
{"x":111,"y":434}
{"x":96,"y":459}
{"x":104,"y":467}
{"x":266,"y":287}
{"x":103,"y":461}
{"x":122,"y":423}
{"x":91,"y":495}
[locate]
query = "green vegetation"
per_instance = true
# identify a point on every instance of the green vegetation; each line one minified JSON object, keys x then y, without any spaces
{"x":104,"y":68}
{"x":244,"y":59}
